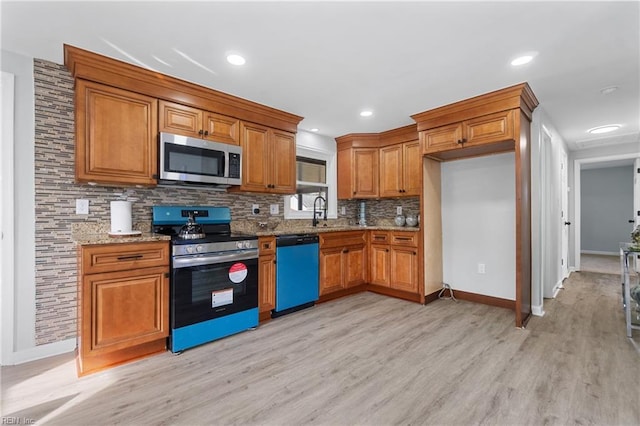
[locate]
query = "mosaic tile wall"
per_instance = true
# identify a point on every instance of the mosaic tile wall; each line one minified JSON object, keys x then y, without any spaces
{"x":56,"y":192}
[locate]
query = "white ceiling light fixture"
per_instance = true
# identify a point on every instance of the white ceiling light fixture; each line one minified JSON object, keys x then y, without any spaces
{"x":366,"y":113}
{"x":235,"y":59}
{"x":523,"y":59}
{"x":315,"y":129}
{"x":604,"y":129}
{"x":608,"y":90}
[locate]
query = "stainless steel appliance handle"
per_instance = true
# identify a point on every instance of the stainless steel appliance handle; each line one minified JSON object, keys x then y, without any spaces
{"x":213,"y":258}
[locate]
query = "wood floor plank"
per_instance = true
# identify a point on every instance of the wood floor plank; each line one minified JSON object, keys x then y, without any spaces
{"x":368,"y":359}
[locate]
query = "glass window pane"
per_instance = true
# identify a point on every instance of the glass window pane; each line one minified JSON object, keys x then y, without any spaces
{"x":311,"y":170}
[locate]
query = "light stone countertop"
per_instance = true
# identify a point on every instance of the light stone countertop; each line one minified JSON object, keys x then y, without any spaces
{"x":284,"y":227}
{"x":98,"y":233}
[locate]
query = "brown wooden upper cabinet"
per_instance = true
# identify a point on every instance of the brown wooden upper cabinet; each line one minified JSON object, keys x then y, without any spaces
{"x":487,"y":129}
{"x":268,"y":159}
{"x":116,"y":135}
{"x":197,"y":123}
{"x":400,"y":167}
{"x":358,"y":173}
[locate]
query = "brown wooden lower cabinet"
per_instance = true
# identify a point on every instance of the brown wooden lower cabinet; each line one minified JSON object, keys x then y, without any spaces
{"x":123,"y":312}
{"x":266,"y":276}
{"x":343,"y":260}
{"x":394,"y":260}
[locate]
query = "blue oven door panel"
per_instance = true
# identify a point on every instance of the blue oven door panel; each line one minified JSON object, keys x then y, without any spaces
{"x":203,"y":332}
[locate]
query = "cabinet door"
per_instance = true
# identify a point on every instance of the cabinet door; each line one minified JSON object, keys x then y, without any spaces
{"x":220,"y":128}
{"x":490,"y":128}
{"x":345,"y":174}
{"x":283,"y":162}
{"x":441,"y":138}
{"x":391,"y":174}
{"x":267,"y":283}
{"x":355,"y":266}
{"x":255,"y":158}
{"x":411,"y":168}
{"x":365,"y":169}
{"x":116,"y":135}
{"x":331,"y":270}
{"x":180,"y":119}
{"x":124,"y":309}
{"x":380,"y":264}
{"x":404,"y":269}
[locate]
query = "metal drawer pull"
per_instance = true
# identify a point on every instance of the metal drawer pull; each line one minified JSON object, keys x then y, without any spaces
{"x":134,"y":257}
{"x":404,"y":238}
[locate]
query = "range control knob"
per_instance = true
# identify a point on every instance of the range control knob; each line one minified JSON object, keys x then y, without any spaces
{"x":247,"y":244}
{"x":199,"y":248}
{"x":189,"y":249}
{"x":239,"y":244}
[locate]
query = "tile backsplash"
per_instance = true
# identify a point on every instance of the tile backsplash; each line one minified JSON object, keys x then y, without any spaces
{"x":56,"y":194}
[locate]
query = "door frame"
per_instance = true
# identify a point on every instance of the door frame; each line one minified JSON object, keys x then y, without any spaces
{"x":564,"y":208}
{"x":577,"y":164}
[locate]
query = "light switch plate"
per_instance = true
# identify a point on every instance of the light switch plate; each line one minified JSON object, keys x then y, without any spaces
{"x":399,"y":210}
{"x":274,"y":209}
{"x":82,"y":206}
{"x":343,"y":211}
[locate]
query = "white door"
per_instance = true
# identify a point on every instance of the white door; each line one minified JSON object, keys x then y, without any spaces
{"x":565,"y":224}
{"x":636,"y":192}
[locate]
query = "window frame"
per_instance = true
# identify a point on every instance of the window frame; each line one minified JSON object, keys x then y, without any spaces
{"x":330,"y":159}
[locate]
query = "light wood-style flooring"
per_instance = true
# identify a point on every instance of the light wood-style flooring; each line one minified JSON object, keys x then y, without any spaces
{"x":368,"y":360}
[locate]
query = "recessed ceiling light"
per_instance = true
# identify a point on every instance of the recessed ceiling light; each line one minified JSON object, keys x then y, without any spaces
{"x":315,"y":129}
{"x":607,"y":90}
{"x":235,"y":59}
{"x":604,"y":129}
{"x":366,"y":113}
{"x":521,"y":60}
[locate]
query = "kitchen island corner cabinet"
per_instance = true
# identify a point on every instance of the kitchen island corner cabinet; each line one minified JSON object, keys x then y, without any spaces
{"x":123,"y":303}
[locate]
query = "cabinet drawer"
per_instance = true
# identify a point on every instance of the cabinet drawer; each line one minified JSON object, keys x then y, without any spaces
{"x":409,"y":239}
{"x":121,"y":257}
{"x":342,"y":239}
{"x":266,"y":245}
{"x":379,"y":237}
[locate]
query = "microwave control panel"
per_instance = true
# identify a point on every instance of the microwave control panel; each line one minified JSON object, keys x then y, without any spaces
{"x":234,"y":165}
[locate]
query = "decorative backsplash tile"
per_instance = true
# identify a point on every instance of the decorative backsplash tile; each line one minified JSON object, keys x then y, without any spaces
{"x":56,"y":192}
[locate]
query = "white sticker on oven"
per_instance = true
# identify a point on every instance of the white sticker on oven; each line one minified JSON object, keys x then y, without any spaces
{"x":221,"y":297}
{"x":238,"y":272}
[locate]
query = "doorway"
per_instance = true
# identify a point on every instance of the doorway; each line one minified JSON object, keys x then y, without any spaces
{"x":600,"y":162}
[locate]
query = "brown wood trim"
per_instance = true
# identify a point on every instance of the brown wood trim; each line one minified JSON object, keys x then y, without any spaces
{"x":517,"y":96}
{"x":399,"y":135}
{"x":94,"y":67}
{"x":341,"y":293}
{"x":473,"y":151}
{"x":431,"y":297}
{"x":480,"y":298}
{"x":358,"y":140}
{"x":264,"y":316}
{"x":399,"y":294}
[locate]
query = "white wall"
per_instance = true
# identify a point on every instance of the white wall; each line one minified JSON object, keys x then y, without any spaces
{"x":478,"y":225}
{"x":23,"y":287}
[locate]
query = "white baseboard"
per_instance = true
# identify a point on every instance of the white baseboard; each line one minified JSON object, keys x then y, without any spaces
{"x":40,"y":352}
{"x":557,"y":288}
{"x":606,"y":253}
{"x":537,"y":310}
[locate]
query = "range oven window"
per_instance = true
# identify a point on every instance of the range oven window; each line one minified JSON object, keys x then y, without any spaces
{"x":193,"y":160}
{"x":205,"y":292}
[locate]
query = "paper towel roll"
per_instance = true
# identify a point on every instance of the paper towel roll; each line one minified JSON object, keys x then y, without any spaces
{"x":121,"y":217}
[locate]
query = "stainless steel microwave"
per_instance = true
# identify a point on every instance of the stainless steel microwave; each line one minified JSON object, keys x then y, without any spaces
{"x":186,"y":159}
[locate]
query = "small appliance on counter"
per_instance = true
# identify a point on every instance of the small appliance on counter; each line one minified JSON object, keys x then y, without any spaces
{"x":121,"y":219}
{"x":214,"y":275}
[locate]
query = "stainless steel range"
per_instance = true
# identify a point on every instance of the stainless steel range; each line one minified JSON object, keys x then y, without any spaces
{"x":214,"y":274}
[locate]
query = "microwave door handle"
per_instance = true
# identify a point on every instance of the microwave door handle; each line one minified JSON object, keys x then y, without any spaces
{"x":225,"y":157}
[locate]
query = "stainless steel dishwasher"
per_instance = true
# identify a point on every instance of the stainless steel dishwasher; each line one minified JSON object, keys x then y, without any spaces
{"x":297,"y":273}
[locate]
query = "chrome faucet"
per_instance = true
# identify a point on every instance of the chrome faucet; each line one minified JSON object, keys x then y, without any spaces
{"x":315,"y":212}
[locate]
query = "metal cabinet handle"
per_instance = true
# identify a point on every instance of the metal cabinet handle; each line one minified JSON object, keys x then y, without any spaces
{"x":567,"y":223}
{"x":133,"y":257}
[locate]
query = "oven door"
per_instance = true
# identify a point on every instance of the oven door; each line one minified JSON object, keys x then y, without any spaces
{"x":204,"y":287}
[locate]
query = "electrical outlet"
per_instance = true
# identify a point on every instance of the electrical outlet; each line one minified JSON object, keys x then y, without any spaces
{"x":82,"y":206}
{"x":274,"y":209}
{"x":255,"y":209}
{"x":343,"y":211}
{"x":399,"y":210}
{"x":481,"y":269}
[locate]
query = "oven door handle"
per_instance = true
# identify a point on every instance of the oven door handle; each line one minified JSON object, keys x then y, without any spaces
{"x":213,"y":258}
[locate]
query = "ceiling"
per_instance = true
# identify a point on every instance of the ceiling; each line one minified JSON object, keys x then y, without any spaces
{"x":327,"y":61}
